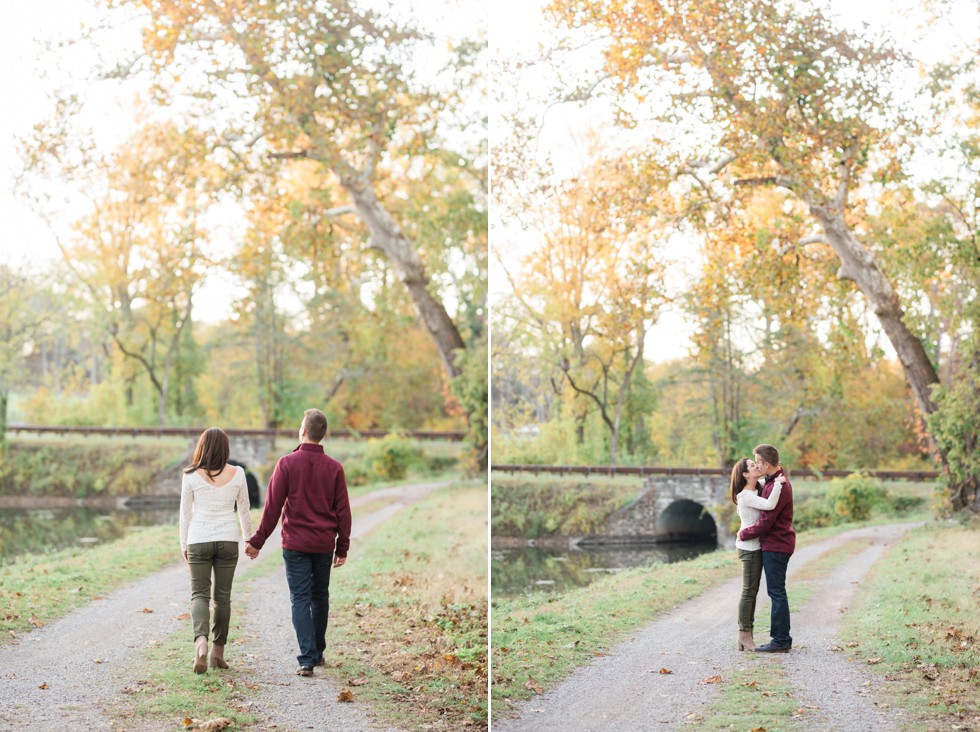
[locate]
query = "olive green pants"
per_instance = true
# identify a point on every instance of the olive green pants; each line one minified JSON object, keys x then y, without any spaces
{"x":220,"y":559}
{"x":751,"y":576}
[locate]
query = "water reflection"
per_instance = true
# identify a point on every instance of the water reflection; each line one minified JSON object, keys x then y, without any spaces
{"x":32,"y":530}
{"x":530,"y":569}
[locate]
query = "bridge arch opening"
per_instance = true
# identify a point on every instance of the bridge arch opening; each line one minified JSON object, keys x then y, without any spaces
{"x":686,"y":520}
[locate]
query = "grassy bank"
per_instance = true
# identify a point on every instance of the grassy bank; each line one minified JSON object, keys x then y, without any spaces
{"x":917,"y":613}
{"x":408,"y":620}
{"x":35,"y":590}
{"x":536,"y":507}
{"x":416,"y":600}
{"x":87,"y":467}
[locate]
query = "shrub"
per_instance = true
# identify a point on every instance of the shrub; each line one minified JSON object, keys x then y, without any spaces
{"x":813,"y":513}
{"x":855,"y":496}
{"x":391,"y":457}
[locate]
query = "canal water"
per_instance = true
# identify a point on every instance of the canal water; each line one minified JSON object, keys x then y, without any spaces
{"x":535,"y":569}
{"x":40,"y":529}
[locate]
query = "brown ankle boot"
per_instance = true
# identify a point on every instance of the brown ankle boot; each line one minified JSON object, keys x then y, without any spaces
{"x":201,"y":655}
{"x":218,"y":656}
{"x":745,"y":640}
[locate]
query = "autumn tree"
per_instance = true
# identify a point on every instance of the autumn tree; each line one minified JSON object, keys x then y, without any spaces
{"x":139,"y":249}
{"x":333,"y":84}
{"x":766,"y":93}
{"x":592,"y":289}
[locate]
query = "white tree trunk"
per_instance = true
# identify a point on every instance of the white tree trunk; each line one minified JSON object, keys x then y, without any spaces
{"x":387,"y":236}
{"x":858,"y":265}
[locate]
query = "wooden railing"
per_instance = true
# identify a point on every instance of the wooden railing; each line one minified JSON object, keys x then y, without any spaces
{"x":232,"y":432}
{"x":915,"y":475}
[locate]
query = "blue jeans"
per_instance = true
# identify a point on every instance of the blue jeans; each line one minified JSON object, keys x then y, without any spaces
{"x":308,"y":576}
{"x":775,"y":564}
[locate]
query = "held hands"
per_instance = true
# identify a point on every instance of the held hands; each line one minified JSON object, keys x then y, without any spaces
{"x":251,"y":551}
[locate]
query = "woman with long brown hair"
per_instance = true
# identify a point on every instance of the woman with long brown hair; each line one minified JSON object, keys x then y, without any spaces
{"x":745,"y":495}
{"x":209,"y":539}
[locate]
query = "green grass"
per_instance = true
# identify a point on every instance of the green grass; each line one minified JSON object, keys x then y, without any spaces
{"x":754,"y":698}
{"x":414,"y":594}
{"x":40,"y":589}
{"x":167,"y":690}
{"x":917,"y":613}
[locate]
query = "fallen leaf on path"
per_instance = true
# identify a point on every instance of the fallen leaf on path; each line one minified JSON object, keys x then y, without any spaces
{"x":345,"y":695}
{"x":182,"y":616}
{"x":750,"y":684}
{"x":834,"y":648}
{"x":758,"y":729}
{"x":851,"y":645}
{"x":666,"y":671}
{"x":97,"y":660}
{"x":712,"y":680}
{"x":36,"y":621}
{"x":211,"y":725}
{"x":873,"y":661}
{"x":357,"y":682}
{"x":147,"y":610}
{"x":43,"y":686}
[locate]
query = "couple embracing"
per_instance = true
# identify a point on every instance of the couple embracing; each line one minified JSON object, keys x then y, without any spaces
{"x":766,"y":541}
{"x":309,"y":491}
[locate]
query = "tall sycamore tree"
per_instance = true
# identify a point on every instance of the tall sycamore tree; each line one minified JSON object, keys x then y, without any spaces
{"x":777,"y":95}
{"x":330,"y":83}
{"x":343,"y":87}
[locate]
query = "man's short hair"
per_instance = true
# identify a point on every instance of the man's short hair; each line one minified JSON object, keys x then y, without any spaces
{"x":315,"y":423}
{"x":768,"y":453}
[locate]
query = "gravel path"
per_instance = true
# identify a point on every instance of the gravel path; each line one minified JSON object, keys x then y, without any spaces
{"x":624,"y":691}
{"x":73,"y":673}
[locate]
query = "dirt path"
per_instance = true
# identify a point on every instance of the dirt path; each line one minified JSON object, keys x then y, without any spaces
{"x":74,"y":672}
{"x":624,"y":690}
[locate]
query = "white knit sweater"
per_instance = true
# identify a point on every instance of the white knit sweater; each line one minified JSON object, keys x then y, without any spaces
{"x":750,"y":508}
{"x":207,"y":512}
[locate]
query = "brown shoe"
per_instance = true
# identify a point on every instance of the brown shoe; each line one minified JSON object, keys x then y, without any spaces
{"x":217,"y":659}
{"x":305,"y":671}
{"x":201,"y":655}
{"x":745,"y":640}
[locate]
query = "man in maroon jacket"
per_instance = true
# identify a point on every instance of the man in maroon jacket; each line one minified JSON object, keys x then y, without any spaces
{"x":309,"y":490}
{"x":774,"y":529}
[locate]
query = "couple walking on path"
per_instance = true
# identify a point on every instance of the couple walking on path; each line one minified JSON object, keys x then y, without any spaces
{"x":766,"y":541}
{"x":308,"y":490}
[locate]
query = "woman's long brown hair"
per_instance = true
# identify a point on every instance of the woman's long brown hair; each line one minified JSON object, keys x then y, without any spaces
{"x":211,"y":453}
{"x":739,"y":481}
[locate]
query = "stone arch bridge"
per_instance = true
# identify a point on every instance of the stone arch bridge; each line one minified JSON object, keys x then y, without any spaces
{"x":673,"y":508}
